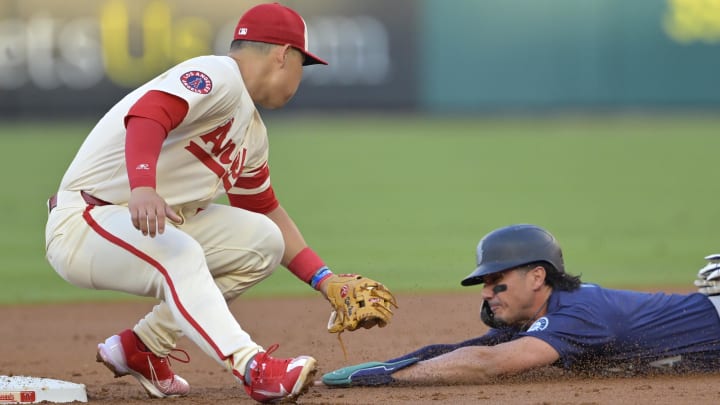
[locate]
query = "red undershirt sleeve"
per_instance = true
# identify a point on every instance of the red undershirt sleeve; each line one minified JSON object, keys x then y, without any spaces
{"x":147,"y":125}
{"x":143,"y":142}
{"x":168,"y":110}
{"x":261,"y":203}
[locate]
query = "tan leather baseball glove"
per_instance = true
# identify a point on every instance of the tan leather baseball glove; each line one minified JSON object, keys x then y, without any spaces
{"x":358,"y":302}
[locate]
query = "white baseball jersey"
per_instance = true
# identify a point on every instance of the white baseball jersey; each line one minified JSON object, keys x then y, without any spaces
{"x":221,"y":137}
{"x":198,"y":266}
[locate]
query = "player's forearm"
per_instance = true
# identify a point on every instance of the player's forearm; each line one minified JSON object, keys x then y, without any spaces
{"x":300,"y":259}
{"x":471,"y":365}
{"x":294,"y":241}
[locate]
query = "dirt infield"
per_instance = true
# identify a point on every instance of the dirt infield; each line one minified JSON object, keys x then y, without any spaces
{"x":59,"y":342}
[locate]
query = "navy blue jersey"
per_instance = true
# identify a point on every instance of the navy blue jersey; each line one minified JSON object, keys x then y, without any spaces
{"x":594,"y":324}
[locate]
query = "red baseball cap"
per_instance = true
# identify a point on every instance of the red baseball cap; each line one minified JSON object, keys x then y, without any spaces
{"x":276,"y":24}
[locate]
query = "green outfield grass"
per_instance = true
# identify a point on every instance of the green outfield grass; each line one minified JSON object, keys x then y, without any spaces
{"x":632,"y":199}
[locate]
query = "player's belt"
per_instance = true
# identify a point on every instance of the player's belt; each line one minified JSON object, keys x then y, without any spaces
{"x":90,"y":200}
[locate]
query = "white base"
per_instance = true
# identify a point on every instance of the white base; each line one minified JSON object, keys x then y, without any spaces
{"x":30,"y":390}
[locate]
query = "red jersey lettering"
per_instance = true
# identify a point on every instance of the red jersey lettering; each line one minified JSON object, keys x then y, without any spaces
{"x":220,"y":154}
{"x":235,"y":169}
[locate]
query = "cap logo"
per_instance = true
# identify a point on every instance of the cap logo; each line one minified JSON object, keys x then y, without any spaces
{"x":242,"y":31}
{"x":197,"y":82}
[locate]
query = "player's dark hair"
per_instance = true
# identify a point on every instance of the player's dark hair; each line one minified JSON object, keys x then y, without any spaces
{"x":560,"y":281}
{"x":263,"y":47}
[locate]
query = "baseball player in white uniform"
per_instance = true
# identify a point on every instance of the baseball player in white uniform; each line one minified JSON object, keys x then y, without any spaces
{"x":135,"y":210}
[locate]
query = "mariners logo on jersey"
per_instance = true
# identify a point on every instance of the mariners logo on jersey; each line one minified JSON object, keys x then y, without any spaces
{"x":539,"y":325}
{"x":197,"y":82}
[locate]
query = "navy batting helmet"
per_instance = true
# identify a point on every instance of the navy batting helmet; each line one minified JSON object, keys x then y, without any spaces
{"x":514,"y":246}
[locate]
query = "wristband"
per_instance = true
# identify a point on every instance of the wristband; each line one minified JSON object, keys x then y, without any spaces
{"x":306,"y":264}
{"x":320,"y":276}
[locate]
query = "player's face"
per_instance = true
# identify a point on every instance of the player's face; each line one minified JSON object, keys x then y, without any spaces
{"x":515,"y":304}
{"x":286,"y":79}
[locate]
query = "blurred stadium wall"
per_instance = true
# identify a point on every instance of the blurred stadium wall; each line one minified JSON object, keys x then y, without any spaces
{"x":75,"y":58}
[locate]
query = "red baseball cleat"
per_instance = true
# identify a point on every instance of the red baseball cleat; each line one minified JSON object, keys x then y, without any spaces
{"x":279,"y":380}
{"x":125,"y":354}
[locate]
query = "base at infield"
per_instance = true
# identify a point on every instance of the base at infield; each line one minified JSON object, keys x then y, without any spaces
{"x":30,"y":390}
